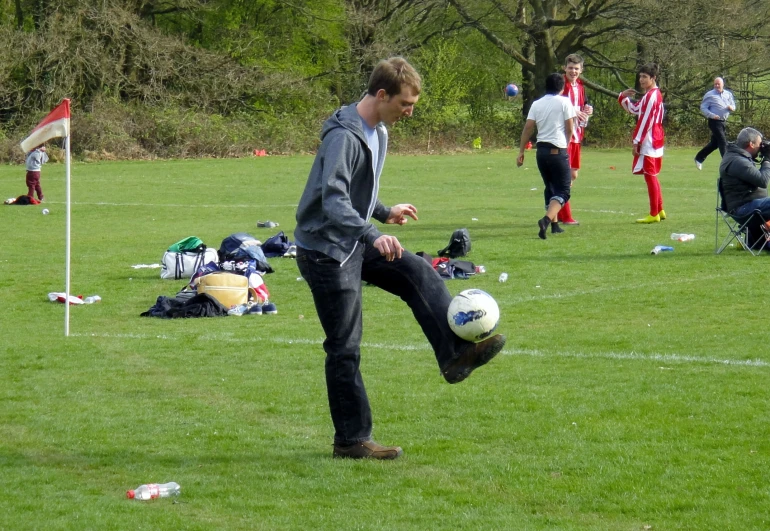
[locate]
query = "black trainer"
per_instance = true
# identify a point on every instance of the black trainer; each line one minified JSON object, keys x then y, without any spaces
{"x":555,"y":229}
{"x":472,"y":356}
{"x":543,"y":223}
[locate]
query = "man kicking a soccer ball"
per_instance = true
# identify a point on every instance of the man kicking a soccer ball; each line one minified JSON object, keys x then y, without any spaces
{"x":338,"y":248}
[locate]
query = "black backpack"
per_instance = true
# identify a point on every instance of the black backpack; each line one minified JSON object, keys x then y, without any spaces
{"x":276,"y":245}
{"x":243,"y":246}
{"x":459,"y":244}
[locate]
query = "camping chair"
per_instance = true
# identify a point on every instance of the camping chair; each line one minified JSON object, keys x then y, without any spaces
{"x":751,"y":232}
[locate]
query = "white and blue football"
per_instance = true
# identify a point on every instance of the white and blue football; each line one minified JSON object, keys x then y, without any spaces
{"x":473,"y":315}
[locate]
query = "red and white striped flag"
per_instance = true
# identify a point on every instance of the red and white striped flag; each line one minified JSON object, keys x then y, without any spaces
{"x":56,"y":124}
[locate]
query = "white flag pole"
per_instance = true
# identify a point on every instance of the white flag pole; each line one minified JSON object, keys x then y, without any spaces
{"x":67,"y":237}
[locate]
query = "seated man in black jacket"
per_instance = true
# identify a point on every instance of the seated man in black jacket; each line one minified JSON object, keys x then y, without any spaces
{"x":743,"y":185}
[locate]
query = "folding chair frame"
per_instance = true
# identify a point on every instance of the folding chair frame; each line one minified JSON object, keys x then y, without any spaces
{"x":739,"y":229}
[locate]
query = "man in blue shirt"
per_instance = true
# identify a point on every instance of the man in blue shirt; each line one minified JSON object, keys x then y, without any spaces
{"x":716,"y":106}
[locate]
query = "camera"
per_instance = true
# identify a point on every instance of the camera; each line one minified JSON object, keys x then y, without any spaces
{"x":764,"y":149}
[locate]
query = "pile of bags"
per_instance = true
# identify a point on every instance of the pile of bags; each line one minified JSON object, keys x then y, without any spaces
{"x":232,"y":276}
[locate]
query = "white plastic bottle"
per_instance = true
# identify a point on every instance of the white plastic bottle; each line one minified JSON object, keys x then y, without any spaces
{"x":586,"y":108}
{"x":681,"y":237}
{"x":503,"y":277}
{"x":92,"y":299}
{"x":152,"y":491}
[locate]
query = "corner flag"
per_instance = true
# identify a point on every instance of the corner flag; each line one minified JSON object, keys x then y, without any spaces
{"x":56,"y":124}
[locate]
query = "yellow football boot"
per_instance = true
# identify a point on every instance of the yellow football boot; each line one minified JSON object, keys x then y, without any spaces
{"x":649,"y":219}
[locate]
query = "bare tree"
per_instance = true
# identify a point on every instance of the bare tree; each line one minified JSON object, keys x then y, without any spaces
{"x":539,"y":34}
{"x":693,"y":40}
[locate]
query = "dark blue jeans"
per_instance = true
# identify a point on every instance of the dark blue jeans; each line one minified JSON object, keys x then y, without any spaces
{"x":742,"y":213}
{"x":553,"y":164}
{"x":745,"y":211}
{"x":718,"y":140}
{"x":336,"y":292}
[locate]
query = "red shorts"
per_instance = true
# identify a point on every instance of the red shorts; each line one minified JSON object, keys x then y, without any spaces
{"x":574,"y":155}
{"x":644,"y":165}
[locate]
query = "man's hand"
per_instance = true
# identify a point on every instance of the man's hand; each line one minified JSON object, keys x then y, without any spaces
{"x":398,"y":214}
{"x":520,"y":159}
{"x":628,"y":93}
{"x":636,"y":150}
{"x":389,"y":247}
{"x":764,"y":148}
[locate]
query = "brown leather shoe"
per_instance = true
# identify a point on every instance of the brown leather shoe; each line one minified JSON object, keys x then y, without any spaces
{"x":368,"y":450}
{"x":471,"y":357}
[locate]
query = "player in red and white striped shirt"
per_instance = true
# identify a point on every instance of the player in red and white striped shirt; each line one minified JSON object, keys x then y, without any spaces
{"x":648,"y":136}
{"x":575,"y":92}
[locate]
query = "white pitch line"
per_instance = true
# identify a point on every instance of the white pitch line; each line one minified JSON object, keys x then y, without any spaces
{"x":622,"y":287}
{"x":634,"y":356}
{"x":170,"y":205}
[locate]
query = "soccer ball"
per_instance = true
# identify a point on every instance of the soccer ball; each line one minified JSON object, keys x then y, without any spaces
{"x":511,"y":90}
{"x":473,"y":315}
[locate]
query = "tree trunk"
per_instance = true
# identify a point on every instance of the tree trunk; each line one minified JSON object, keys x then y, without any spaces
{"x":19,"y":15}
{"x":40,"y":12}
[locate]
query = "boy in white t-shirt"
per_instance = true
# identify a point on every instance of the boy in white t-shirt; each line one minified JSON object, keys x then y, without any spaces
{"x":553,"y":116}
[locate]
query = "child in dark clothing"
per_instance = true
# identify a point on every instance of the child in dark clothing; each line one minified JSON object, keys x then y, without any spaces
{"x":35,"y":160}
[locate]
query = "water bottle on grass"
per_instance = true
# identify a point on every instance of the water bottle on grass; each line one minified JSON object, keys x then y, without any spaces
{"x":153,"y":490}
{"x":681,"y":237}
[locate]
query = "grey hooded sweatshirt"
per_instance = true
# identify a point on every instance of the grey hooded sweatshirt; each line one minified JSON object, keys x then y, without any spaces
{"x":341,"y":191}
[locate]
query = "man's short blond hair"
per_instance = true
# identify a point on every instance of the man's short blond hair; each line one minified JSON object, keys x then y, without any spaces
{"x":392,"y":74}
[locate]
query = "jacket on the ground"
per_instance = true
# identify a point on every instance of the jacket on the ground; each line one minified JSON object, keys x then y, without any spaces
{"x":742,"y":182}
{"x":341,"y":191}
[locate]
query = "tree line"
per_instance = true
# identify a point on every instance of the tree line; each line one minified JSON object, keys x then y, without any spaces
{"x":179,"y":78}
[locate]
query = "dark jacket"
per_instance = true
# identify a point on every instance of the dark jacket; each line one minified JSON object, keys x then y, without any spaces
{"x":742,"y":182}
{"x":341,"y":191}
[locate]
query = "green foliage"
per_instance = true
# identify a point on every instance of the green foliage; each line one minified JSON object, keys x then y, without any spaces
{"x":300,"y":37}
{"x":446,"y":84}
{"x":217,"y":76}
{"x":462,"y":99}
{"x":632,"y":393}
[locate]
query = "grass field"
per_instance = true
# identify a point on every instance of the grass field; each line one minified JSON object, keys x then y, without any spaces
{"x":632,"y":393}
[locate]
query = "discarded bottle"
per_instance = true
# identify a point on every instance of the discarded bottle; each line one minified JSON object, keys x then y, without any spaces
{"x":481,"y":269}
{"x":152,"y":491}
{"x":503,"y":277}
{"x":92,"y":299}
{"x":659,"y":248}
{"x":681,"y":237}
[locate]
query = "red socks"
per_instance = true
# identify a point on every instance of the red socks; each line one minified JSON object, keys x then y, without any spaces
{"x":654,"y":193}
{"x":565,"y":214}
